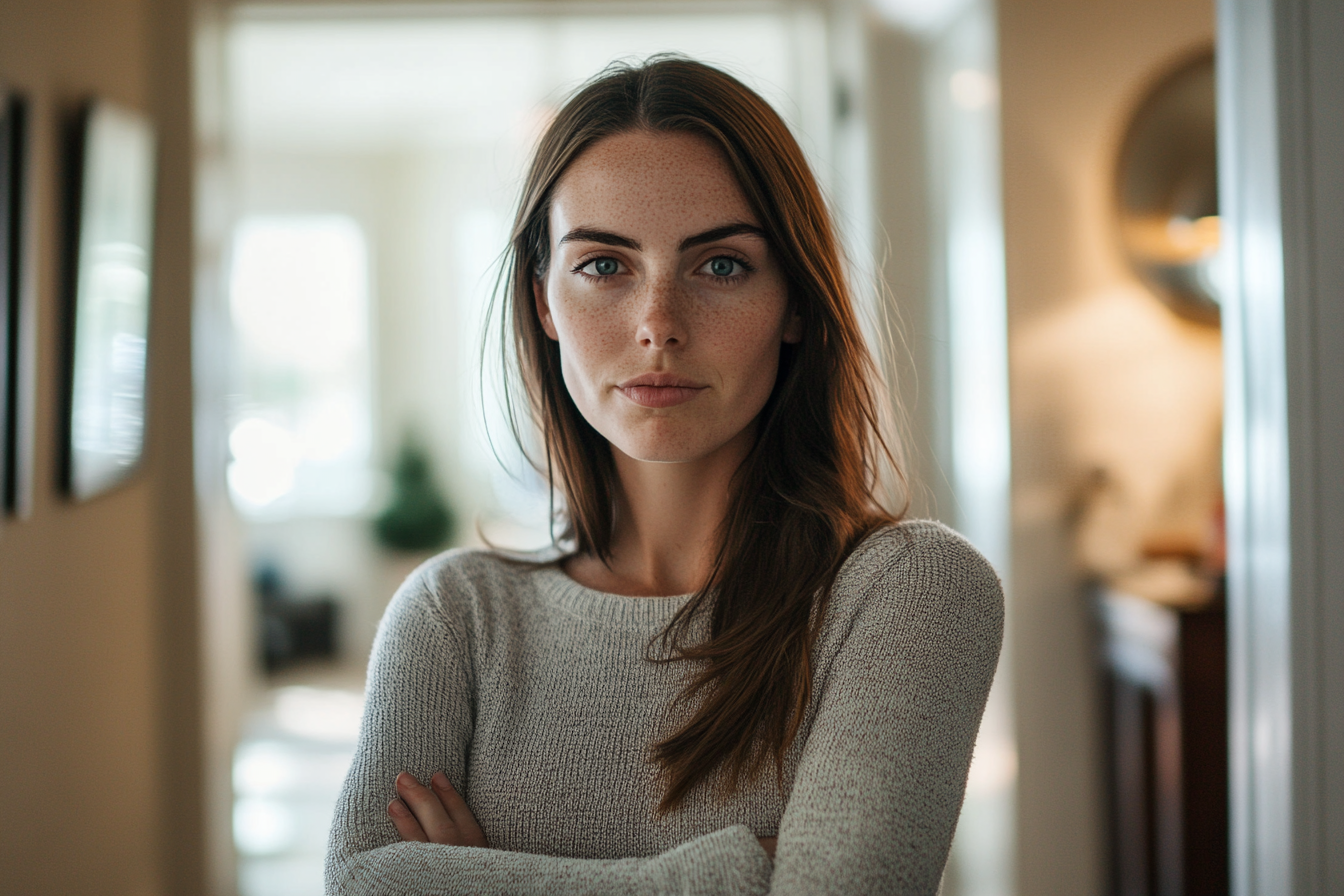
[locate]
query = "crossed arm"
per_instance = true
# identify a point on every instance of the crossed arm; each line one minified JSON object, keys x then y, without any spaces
{"x":437,"y":814}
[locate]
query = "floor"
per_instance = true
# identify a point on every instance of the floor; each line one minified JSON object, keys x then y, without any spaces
{"x":287,"y":772}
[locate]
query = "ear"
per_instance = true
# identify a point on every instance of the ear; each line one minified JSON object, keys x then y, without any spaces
{"x":793,"y":329}
{"x":544,"y":308}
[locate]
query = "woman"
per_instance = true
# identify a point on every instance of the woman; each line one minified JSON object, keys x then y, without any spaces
{"x":742,"y":675}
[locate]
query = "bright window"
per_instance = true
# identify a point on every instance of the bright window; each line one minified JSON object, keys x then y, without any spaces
{"x":300,"y":433}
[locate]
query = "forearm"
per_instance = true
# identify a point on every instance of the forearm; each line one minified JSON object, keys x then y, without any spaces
{"x":729,"y":861}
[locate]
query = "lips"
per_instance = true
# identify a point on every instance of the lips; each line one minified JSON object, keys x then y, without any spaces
{"x":660,"y":390}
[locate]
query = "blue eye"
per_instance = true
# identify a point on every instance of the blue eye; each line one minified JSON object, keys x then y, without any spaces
{"x":605,"y":267}
{"x":722,"y":266}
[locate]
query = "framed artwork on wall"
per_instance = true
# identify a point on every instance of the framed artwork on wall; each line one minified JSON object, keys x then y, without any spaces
{"x":13,"y":158}
{"x":109,"y":263}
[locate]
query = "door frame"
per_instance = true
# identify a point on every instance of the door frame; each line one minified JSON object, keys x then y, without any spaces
{"x":1281,"y":142}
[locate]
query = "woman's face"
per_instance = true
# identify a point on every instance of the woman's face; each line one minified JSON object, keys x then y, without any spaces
{"x":666,"y":301}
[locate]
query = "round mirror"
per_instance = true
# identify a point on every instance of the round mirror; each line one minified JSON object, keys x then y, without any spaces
{"x":1168,"y":191}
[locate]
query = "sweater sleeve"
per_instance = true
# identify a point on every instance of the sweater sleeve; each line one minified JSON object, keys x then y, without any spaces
{"x":418,"y":718}
{"x":878,"y":785}
{"x":881,"y":778}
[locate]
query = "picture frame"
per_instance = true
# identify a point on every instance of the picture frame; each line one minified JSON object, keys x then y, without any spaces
{"x":109,"y":284}
{"x":13,"y":180}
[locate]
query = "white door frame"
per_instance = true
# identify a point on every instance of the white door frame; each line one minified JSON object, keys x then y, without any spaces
{"x":1281,"y":145}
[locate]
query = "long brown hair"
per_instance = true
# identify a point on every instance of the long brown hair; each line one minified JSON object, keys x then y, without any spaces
{"x":804,"y":496}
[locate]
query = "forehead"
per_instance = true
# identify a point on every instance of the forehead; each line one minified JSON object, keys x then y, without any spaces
{"x":677,"y":184}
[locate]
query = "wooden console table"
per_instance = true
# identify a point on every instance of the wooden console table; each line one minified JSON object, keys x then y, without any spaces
{"x":1167,"y":720}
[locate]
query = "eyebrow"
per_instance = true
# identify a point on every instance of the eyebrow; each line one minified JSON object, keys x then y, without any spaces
{"x":607,"y":238}
{"x":720,"y":233}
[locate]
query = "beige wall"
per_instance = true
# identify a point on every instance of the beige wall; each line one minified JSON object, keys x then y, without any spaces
{"x":1071,"y":71}
{"x":99,"y":746}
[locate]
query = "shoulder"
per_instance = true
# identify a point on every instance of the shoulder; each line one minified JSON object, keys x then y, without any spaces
{"x":924,"y":549}
{"x":477,"y":568}
{"x":460,"y":586}
{"x":920,"y":569}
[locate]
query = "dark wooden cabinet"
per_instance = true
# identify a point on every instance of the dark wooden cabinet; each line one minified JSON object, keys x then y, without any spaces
{"x":1166,"y":672}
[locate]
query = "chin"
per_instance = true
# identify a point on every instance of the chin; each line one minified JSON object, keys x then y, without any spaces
{"x":658,"y":451}
{"x":668,"y":438}
{"x":663,"y":444}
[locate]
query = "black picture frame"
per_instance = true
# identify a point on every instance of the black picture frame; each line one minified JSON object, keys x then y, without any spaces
{"x":13,"y":178}
{"x":109,"y":265}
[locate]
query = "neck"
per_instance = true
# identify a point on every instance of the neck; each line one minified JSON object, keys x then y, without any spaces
{"x":667,"y":523}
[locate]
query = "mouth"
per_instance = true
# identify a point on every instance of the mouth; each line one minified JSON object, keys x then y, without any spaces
{"x":660,"y":390}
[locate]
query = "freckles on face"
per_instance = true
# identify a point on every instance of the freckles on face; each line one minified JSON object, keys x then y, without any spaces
{"x":663,"y":293}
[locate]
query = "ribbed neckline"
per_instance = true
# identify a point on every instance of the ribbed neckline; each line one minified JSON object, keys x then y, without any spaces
{"x":560,"y":590}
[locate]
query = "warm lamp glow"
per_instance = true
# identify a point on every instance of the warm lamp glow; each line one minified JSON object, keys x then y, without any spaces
{"x":1172,"y":240}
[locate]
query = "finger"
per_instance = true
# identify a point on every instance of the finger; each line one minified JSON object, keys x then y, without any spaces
{"x":407,"y":827}
{"x":427,"y":809}
{"x":467,"y":828}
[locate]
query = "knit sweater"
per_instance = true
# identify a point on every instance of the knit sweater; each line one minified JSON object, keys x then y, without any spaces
{"x":534,"y":695}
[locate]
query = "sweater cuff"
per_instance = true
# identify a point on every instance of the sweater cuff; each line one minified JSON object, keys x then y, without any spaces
{"x":730,"y":860}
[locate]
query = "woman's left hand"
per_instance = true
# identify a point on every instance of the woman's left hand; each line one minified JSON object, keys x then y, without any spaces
{"x":435,"y":814}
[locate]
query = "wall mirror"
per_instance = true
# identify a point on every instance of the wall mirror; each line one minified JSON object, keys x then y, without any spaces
{"x":1167,"y":190}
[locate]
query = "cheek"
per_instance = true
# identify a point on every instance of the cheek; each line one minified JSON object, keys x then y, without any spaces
{"x":589,"y":336}
{"x":746,"y":339}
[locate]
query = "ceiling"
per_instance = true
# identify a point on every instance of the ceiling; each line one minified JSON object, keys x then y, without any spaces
{"x":380,"y":84}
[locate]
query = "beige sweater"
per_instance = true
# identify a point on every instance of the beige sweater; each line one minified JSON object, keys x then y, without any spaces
{"x":532,"y":693}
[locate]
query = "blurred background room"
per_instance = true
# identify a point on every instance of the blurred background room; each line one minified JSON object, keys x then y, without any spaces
{"x":1030,"y":197}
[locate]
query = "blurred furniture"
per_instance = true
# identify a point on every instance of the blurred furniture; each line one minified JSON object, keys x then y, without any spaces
{"x":293,"y":628}
{"x":1167,"y":683}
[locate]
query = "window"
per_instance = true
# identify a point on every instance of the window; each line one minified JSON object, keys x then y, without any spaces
{"x":300,"y":431}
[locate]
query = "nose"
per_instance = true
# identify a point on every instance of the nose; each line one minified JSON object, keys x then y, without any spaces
{"x":661,"y":322}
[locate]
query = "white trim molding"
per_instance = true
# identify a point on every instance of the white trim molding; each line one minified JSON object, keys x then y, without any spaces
{"x":1281,"y":145}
